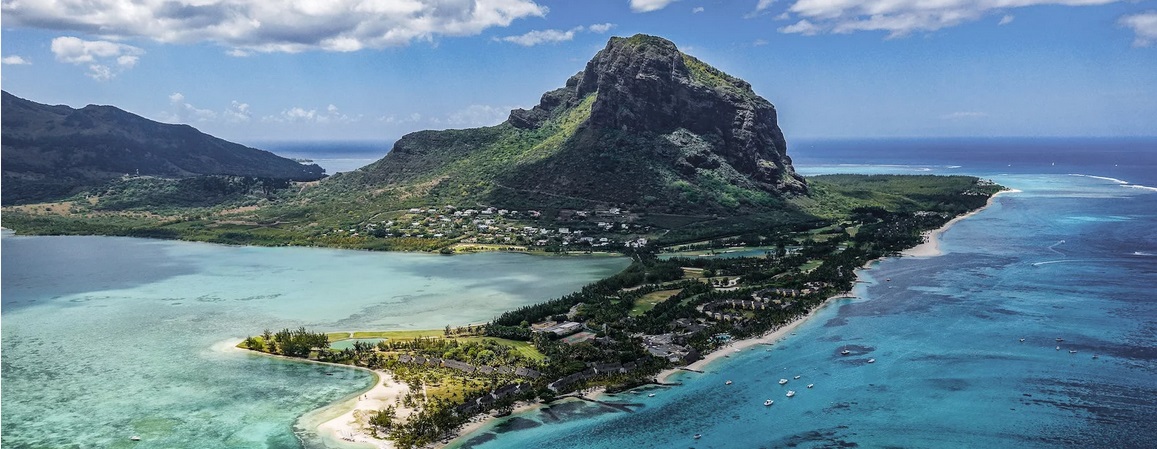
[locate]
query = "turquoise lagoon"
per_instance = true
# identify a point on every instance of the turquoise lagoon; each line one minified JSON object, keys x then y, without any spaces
{"x":105,"y":338}
{"x":1070,"y":257}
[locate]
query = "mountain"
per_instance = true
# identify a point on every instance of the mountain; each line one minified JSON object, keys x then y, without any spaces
{"x":642,"y":126}
{"x":51,"y":152}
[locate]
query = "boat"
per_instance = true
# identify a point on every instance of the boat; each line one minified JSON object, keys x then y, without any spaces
{"x":727,"y":383}
{"x":1072,"y":351}
{"x":790,"y":393}
{"x":1060,"y":339}
{"x":811,"y":385}
{"x":1058,"y":348}
{"x":871,"y":360}
{"x":782,"y":381}
{"x":768,"y":402}
{"x":845,"y":351}
{"x":651,"y":395}
{"x":697,"y":436}
{"x":1094,"y":356}
{"x":796,"y":377}
{"x":1022,"y":340}
{"x":134,"y":438}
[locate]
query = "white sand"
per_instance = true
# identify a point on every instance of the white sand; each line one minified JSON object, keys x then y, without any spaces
{"x":931,"y":245}
{"x":353,"y":425}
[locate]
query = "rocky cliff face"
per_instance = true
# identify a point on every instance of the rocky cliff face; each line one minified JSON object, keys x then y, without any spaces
{"x":642,"y":126}
{"x":645,"y":86}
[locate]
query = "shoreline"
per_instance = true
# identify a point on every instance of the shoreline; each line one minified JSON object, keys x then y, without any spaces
{"x":931,"y":245}
{"x":346,"y":424}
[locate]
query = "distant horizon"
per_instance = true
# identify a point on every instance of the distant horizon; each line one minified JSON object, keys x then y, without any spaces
{"x":317,"y":71}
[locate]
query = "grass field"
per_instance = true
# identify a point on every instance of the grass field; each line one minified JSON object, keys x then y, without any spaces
{"x":648,"y":301}
{"x":523,"y":347}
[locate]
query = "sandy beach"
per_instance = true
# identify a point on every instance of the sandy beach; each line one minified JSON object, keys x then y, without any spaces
{"x":931,"y":245}
{"x":352,"y":426}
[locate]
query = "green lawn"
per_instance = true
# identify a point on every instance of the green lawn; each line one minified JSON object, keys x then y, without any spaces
{"x":523,"y":347}
{"x":648,"y":301}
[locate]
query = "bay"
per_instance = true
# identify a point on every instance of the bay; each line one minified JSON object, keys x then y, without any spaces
{"x":106,"y":338}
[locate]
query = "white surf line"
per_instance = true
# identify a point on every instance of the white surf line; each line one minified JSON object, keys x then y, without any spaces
{"x":1122,"y":182}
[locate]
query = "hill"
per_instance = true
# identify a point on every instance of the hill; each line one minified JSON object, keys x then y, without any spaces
{"x":643,"y":126}
{"x":50,"y":152}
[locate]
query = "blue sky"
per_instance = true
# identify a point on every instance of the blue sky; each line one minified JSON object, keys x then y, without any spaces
{"x":260,"y":70}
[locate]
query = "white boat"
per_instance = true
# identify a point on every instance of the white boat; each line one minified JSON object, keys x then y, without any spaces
{"x":845,"y":351}
{"x":1058,"y":348}
{"x":1094,"y":356}
{"x":790,"y":393}
{"x":697,"y":436}
{"x":871,"y":360}
{"x":782,"y":381}
{"x":727,"y":383}
{"x":1022,"y":340}
{"x":651,"y":395}
{"x":134,"y":438}
{"x":796,"y":377}
{"x":768,"y":402}
{"x":811,"y":385}
{"x":1072,"y":351}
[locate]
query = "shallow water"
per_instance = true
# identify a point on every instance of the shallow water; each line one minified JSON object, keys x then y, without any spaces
{"x":1069,"y":257}
{"x":105,"y":338}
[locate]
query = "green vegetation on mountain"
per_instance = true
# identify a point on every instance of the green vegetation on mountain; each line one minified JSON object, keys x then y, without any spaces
{"x":52,"y":152}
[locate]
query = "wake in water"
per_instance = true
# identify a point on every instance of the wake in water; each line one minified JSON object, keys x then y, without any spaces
{"x":1053,"y":247}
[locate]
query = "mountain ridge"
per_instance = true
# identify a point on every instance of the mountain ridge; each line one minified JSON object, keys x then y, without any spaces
{"x":51,"y":152}
{"x":642,"y":126}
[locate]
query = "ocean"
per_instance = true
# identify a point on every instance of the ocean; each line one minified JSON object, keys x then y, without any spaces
{"x":105,"y":338}
{"x":1073,"y":256}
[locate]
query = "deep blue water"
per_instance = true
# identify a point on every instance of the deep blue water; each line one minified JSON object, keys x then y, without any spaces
{"x":1071,"y":257}
{"x":333,"y":156}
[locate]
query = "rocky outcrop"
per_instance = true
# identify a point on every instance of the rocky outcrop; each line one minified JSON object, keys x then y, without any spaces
{"x":646,"y":86}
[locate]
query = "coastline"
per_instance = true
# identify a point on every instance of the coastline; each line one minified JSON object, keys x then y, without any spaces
{"x":347,"y":424}
{"x":931,"y":245}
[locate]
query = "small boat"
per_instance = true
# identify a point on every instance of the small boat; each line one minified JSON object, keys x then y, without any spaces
{"x":651,"y":395}
{"x":134,"y":438}
{"x":1072,"y":351}
{"x":782,"y":381}
{"x":697,"y":436}
{"x":1095,"y":356}
{"x":1060,"y":340}
{"x":796,"y":377}
{"x":790,"y":393}
{"x":1022,"y":340}
{"x":871,"y":360}
{"x":768,"y":402}
{"x":845,"y":351}
{"x":811,"y":385}
{"x":888,"y":280}
{"x":1058,"y":348}
{"x":727,"y":383}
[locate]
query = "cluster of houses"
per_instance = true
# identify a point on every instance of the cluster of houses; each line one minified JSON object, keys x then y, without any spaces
{"x":468,"y":368}
{"x":492,"y":225}
{"x":487,"y":400}
{"x":593,"y":370}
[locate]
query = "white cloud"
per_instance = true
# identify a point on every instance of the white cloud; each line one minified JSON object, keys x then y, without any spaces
{"x":1144,"y":25}
{"x":476,"y":115}
{"x":104,"y":59}
{"x":248,"y":26}
{"x":901,"y":17}
{"x":537,"y":37}
{"x":649,"y":5}
{"x":14,"y":60}
{"x":1007,"y":19}
{"x":600,"y":28}
{"x":395,"y":120}
{"x":298,"y":114}
{"x":697,"y":10}
{"x":760,"y":42}
{"x":963,"y":115}
{"x":182,"y":112}
{"x":763,"y":4}
{"x":237,"y":112}
{"x":541,"y":37}
{"x":802,"y":27}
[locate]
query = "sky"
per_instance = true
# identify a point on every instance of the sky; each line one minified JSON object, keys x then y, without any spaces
{"x":373,"y":70}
